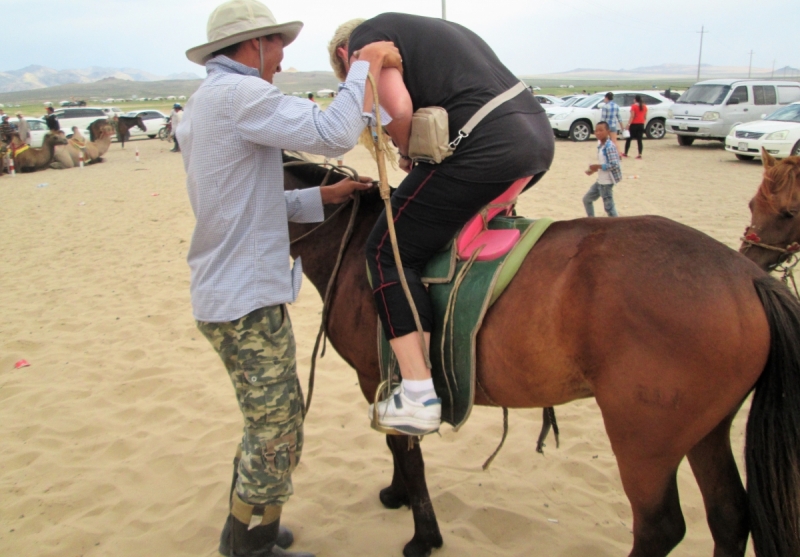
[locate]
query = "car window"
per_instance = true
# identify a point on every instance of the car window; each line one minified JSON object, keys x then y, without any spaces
{"x":764,"y":94}
{"x":650,"y":100}
{"x":36,"y":125}
{"x":704,"y":94}
{"x":624,"y":100}
{"x":741,"y":93}
{"x":589,"y":102}
{"x":788,"y":93}
{"x":789,"y":113}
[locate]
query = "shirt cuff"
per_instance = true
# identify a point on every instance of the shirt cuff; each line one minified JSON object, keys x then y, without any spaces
{"x":308,"y":205}
{"x":358,"y":72}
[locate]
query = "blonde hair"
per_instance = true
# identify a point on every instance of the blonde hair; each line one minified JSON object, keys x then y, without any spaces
{"x":340,"y":39}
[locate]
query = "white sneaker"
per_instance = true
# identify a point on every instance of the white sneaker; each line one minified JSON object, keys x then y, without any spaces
{"x":408,"y":417}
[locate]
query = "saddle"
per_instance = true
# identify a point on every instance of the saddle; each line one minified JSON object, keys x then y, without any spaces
{"x":464,"y":281}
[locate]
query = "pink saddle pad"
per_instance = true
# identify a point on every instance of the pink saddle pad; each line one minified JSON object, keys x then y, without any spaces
{"x":495,"y":243}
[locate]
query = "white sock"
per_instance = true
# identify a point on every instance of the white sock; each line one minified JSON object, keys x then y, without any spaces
{"x":419,"y":391}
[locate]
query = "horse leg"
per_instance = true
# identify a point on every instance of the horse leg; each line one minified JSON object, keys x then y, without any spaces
{"x":723,"y":494}
{"x":412,"y":471}
{"x":396,"y":495}
{"x":652,"y":488}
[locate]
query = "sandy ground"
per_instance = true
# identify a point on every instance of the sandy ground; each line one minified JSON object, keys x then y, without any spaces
{"x":117,"y":440}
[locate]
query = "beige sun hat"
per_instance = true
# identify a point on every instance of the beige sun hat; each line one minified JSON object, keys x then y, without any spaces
{"x":239,"y":20}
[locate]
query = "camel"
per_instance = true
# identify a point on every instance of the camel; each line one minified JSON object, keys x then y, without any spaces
{"x":68,"y":156}
{"x":30,"y":159}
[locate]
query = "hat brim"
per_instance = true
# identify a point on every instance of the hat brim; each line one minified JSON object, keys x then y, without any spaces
{"x":202,"y":53}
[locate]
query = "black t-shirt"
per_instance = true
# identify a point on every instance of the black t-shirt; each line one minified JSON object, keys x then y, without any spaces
{"x":52,"y":122}
{"x":447,"y":65}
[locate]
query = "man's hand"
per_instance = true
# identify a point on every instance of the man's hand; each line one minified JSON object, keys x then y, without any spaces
{"x":592,"y":169}
{"x":342,"y":191}
{"x":405,"y":163}
{"x":383,"y":51}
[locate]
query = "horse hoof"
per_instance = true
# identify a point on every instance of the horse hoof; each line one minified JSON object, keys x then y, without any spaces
{"x":419,"y":548}
{"x":391,"y":499}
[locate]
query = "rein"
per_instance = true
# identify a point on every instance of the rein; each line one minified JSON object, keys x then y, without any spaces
{"x":356,"y":202}
{"x":786,"y":264}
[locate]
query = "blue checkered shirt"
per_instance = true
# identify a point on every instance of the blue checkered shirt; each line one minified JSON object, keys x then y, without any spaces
{"x":231,"y":136}
{"x":610,"y":115}
{"x":609,"y":161}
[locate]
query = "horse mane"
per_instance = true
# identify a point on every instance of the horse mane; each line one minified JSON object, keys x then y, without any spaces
{"x":311,"y":175}
{"x":781,"y":184}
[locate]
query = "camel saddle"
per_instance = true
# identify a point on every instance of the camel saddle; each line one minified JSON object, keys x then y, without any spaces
{"x":463,"y":282}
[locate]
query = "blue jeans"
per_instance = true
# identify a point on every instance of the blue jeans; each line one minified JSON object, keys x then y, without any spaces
{"x":596,"y":192}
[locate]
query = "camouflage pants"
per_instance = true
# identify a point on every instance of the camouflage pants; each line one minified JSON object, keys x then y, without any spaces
{"x":258,"y":351}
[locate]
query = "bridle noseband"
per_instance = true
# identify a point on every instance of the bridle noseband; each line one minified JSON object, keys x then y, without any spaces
{"x":787,"y":260}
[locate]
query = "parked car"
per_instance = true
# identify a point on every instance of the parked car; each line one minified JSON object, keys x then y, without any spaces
{"x":548,"y":100}
{"x":709,"y":109}
{"x":38,"y":129}
{"x":778,"y":134}
{"x":153,"y":120}
{"x":578,"y":121}
{"x":573,"y":99}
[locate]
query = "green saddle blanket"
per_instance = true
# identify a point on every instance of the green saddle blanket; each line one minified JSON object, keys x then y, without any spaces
{"x":461,"y":293}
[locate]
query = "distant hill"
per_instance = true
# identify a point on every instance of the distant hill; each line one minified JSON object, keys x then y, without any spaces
{"x":38,"y":77}
{"x":681,"y":72}
{"x":116,"y":88}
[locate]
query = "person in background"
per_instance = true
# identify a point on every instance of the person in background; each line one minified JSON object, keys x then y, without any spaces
{"x":51,"y":120}
{"x":636,"y":125}
{"x":608,"y":173}
{"x":6,"y":129}
{"x":311,"y":97}
{"x":175,"y":118}
{"x":231,"y":136}
{"x":23,"y":129}
{"x":610,"y":115}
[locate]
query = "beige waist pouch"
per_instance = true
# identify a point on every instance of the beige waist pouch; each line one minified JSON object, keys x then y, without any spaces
{"x":430,"y":135}
{"x":430,"y":129}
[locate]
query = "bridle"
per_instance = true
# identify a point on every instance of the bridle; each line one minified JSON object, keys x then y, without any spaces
{"x":787,"y":261}
{"x":355,"y":202}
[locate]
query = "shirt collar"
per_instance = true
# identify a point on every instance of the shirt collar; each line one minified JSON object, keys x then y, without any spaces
{"x":226,"y":65}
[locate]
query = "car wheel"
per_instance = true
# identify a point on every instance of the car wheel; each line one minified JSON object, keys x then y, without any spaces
{"x":744,"y":157}
{"x":656,"y":129}
{"x":151,"y":136}
{"x":580,"y":130}
{"x":685,"y":140}
{"x":796,"y":150}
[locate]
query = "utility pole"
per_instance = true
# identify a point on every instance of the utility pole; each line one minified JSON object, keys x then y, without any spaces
{"x":444,"y":10}
{"x":772,"y":76}
{"x":700,"y":57}
{"x":750,"y":68}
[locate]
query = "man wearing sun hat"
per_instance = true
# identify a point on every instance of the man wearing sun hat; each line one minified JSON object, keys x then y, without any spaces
{"x":231,"y":136}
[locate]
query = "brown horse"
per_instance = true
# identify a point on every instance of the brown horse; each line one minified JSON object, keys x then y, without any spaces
{"x":667,"y":328}
{"x":773,"y":238}
{"x":38,"y":159}
{"x":125,"y":123}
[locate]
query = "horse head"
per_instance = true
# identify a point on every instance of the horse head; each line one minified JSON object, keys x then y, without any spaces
{"x":140,"y":123}
{"x":774,"y":232}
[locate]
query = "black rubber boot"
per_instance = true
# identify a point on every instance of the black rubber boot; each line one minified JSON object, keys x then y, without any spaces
{"x":285,"y":536}
{"x":259,"y":541}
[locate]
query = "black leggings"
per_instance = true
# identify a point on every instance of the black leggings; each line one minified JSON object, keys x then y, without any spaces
{"x":636,"y":133}
{"x":429,"y":209}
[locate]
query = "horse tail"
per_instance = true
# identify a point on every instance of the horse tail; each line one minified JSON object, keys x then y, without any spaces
{"x":772,"y":446}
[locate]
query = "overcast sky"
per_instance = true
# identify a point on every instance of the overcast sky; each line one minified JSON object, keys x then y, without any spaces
{"x":530,"y":36}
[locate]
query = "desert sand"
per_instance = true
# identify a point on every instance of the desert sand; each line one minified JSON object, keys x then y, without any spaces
{"x":117,"y":440}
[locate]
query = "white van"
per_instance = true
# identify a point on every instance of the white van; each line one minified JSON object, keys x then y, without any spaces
{"x":80,"y":116}
{"x":709,"y":109}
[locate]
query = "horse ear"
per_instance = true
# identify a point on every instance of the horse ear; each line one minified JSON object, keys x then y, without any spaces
{"x":767,"y":159}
